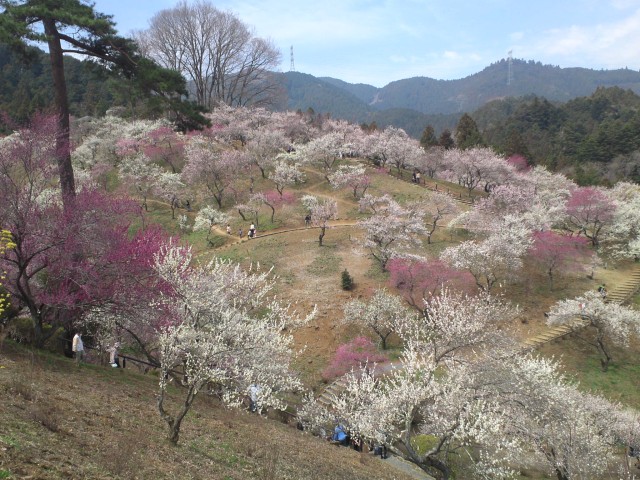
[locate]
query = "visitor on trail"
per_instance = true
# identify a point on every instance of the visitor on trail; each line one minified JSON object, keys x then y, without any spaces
{"x":78,"y":347}
{"x":413,"y":177}
{"x":252,"y":231}
{"x":114,"y":361}
{"x":418,"y":178}
{"x":228,"y":229}
{"x":602,"y":291}
{"x":307,"y":219}
{"x":254,"y":392}
{"x":240,"y":232}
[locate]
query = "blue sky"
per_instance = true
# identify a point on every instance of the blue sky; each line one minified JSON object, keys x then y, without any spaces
{"x":379,"y":41}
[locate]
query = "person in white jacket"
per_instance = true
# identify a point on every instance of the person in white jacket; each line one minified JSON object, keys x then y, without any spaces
{"x":78,"y":348}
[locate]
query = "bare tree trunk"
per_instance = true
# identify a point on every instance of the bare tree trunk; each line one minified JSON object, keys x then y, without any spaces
{"x":63,"y":152}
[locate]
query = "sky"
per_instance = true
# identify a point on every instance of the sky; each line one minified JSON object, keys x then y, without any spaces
{"x":379,"y":41}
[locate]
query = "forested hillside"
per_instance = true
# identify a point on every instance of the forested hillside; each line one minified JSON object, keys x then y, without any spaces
{"x":597,"y":134}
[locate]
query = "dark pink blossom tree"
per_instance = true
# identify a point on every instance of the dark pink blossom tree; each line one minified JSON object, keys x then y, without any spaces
{"x":64,"y":260}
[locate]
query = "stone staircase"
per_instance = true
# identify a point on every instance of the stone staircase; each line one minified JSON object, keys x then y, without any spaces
{"x":620,"y":294}
{"x":330,"y":393}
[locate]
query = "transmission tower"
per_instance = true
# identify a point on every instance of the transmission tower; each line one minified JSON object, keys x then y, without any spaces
{"x":292,"y":67}
{"x":510,"y":71}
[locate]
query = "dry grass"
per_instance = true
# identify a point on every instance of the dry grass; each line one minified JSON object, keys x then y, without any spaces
{"x":101,"y":423}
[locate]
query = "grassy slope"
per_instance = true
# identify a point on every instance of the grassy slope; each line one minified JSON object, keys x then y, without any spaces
{"x":58,"y":421}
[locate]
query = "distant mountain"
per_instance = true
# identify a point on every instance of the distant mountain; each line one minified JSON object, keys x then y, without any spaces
{"x":413,"y":102}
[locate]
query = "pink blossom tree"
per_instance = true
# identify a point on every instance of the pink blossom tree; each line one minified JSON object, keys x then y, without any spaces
{"x":355,"y":354}
{"x":430,"y":162}
{"x":212,"y":168}
{"x":271,"y":199}
{"x":590,"y":211}
{"x":421,"y":280}
{"x":556,"y":252}
{"x":164,"y":144}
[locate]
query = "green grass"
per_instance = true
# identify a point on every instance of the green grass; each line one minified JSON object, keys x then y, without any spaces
{"x":325,"y":263}
{"x":621,"y":382}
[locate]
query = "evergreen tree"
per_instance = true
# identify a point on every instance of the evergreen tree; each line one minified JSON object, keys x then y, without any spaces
{"x":467,"y":133}
{"x":446,"y":140}
{"x":72,"y":26}
{"x":428,"y":138}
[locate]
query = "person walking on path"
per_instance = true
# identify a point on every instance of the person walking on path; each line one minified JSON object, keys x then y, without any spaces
{"x":78,"y":347}
{"x":254,"y":392}
{"x":602,"y":290}
{"x":113,"y":355}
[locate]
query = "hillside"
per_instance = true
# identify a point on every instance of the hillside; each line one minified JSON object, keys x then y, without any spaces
{"x":58,"y":421}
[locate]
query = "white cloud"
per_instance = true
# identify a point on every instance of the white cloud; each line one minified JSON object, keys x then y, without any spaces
{"x":604,"y":45}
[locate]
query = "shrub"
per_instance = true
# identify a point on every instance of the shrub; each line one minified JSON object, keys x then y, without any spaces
{"x":347,"y":280}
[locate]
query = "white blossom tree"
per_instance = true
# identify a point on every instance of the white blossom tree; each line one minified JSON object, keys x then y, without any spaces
{"x":381,"y":313}
{"x":622,"y":238}
{"x":169,"y":187}
{"x":214,"y":339}
{"x":613,"y":324}
{"x":569,"y":430}
{"x":390,"y":228}
{"x":324,"y":151}
{"x":207,"y":218}
{"x":285,"y":174}
{"x":352,"y":176}
{"x":433,"y":393}
{"x":497,"y":258}
{"x":142,"y":173}
{"x":321,"y":211}
{"x":435,"y":208}
{"x":263,"y":146}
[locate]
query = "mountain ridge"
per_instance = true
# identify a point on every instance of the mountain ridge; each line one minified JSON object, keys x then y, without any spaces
{"x":447,"y":99}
